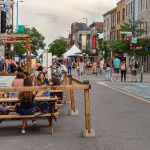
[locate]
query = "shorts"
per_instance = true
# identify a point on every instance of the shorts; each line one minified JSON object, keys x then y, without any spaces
{"x":30,"y":111}
{"x":116,"y":70}
{"x":133,"y":72}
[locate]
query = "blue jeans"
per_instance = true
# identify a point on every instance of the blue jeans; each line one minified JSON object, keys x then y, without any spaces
{"x":108,"y":73}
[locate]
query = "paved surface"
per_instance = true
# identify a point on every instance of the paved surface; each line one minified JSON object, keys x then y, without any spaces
{"x":121,"y":122}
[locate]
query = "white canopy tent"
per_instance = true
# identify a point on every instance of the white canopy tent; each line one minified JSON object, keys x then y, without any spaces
{"x":32,"y":55}
{"x":73,"y":51}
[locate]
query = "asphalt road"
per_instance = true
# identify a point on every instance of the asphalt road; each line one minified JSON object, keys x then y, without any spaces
{"x":120,"y":121}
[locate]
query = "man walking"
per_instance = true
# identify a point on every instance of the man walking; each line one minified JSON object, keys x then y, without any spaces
{"x":69,"y":66}
{"x":116,"y":64}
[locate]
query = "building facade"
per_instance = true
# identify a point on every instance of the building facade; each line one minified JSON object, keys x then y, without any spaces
{"x":113,"y":23}
{"x":120,"y":17}
{"x":75,"y":27}
{"x":96,"y":30}
{"x":107,"y":26}
{"x":143,"y":15}
{"x":7,"y":7}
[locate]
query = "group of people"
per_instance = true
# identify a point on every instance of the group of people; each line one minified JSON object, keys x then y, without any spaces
{"x":120,"y":66}
{"x":27,"y":104}
{"x":8,"y":65}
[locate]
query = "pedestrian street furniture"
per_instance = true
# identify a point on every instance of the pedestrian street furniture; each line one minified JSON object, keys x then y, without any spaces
{"x":69,"y":89}
{"x":39,"y":115}
{"x":88,"y":132}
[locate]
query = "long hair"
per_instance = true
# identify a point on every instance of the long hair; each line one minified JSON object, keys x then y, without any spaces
{"x":39,"y":81}
{"x":27,"y":94}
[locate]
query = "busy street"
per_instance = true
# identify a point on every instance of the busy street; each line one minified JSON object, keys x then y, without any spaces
{"x":74,"y":75}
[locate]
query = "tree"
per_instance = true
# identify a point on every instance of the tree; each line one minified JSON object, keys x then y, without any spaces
{"x":103,"y":48}
{"x":58,"y":47}
{"x":37,"y":39}
{"x":37,"y":42}
{"x":128,"y":27}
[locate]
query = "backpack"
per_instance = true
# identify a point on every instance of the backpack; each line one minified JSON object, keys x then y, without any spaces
{"x":136,"y":65}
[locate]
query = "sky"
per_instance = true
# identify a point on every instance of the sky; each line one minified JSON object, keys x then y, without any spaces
{"x":53,"y":18}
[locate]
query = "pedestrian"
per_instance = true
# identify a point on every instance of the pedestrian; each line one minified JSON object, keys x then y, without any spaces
{"x":101,"y":65}
{"x":81,"y":68}
{"x":17,"y":82}
{"x":134,"y":67}
{"x":88,"y":67}
{"x":69,"y":65}
{"x":26,"y":104}
{"x":75,"y":65}
{"x":123,"y":68}
{"x":108,"y":70}
{"x":116,"y":65}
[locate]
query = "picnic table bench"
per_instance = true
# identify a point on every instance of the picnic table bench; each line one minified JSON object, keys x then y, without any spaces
{"x":36,"y":115}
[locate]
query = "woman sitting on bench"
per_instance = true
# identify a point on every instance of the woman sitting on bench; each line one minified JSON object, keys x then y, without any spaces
{"x":26,"y":104}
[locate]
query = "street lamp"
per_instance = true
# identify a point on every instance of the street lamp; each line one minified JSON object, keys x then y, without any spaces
{"x":17,"y":14}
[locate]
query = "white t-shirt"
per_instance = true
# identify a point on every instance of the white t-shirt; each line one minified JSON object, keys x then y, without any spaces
{"x":81,"y":66}
{"x":101,"y":63}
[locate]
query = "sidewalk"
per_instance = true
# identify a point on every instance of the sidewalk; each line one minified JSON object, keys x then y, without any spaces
{"x":139,"y":88}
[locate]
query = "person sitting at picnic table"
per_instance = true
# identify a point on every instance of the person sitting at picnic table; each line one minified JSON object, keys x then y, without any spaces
{"x":4,"y":109}
{"x":26,"y":104}
{"x":18,"y":82}
{"x":41,"y":82}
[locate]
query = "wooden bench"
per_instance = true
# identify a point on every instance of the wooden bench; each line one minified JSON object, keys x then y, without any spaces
{"x":36,"y":115}
{"x":48,"y":115}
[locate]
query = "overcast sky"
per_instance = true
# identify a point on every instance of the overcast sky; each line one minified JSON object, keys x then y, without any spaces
{"x":53,"y":18}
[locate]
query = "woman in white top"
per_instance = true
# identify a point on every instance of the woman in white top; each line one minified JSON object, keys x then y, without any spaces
{"x":81,"y":68}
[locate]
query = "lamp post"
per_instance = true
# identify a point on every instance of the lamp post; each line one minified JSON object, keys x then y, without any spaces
{"x":17,"y":14}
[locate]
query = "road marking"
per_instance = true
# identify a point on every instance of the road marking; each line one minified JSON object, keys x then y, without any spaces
{"x":124,"y":92}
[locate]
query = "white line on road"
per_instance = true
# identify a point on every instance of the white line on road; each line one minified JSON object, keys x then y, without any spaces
{"x":124,"y":92}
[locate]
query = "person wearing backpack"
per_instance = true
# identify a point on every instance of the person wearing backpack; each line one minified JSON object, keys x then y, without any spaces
{"x":134,"y":67}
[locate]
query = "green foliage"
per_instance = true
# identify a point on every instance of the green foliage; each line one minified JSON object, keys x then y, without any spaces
{"x":37,"y":42}
{"x":19,"y":49}
{"x":128,"y":27}
{"x":143,"y":42}
{"x":103,"y":48}
{"x":37,"y":39}
{"x":120,"y":46}
{"x":58,"y":47}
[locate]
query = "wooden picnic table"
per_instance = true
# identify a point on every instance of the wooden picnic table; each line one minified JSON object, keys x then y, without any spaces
{"x":38,"y":99}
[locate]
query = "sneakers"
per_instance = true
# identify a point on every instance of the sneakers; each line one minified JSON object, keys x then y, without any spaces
{"x":23,"y":131}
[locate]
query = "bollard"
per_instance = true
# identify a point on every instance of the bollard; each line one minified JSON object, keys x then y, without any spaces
{"x":142,"y":68}
{"x":73,"y":111}
{"x":66,"y":91}
{"x":88,"y":132}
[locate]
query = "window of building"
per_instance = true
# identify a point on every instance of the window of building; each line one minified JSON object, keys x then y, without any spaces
{"x":146,"y":4}
{"x":146,"y":28}
{"x":131,"y":7}
{"x":126,"y":11}
{"x":80,"y":37}
{"x":141,"y":5}
{"x":123,"y":14}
